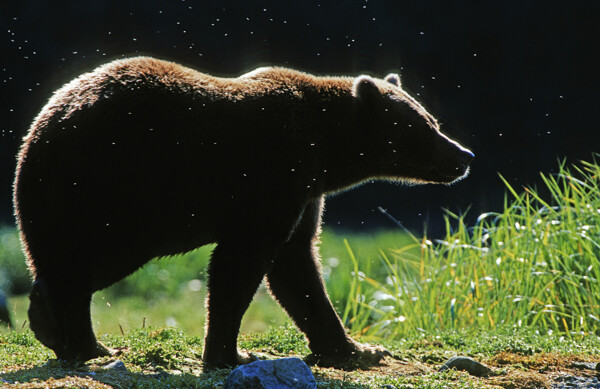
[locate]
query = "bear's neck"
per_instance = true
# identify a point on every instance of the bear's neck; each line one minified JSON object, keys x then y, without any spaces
{"x":336,"y":140}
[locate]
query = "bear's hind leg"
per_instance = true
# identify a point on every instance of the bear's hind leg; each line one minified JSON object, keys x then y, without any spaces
{"x":295,"y":281}
{"x":61,"y":320}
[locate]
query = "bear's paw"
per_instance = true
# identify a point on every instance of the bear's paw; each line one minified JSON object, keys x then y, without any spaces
{"x":362,"y":357}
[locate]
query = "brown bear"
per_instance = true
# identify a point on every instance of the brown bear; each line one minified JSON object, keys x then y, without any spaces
{"x":143,"y":158}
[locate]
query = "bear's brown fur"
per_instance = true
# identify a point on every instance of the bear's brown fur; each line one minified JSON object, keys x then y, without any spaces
{"x":143,"y":158}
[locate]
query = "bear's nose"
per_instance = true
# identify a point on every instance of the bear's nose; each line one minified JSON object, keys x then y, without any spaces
{"x":466,"y":157}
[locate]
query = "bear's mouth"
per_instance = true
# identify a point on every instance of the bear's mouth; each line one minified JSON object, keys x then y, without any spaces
{"x":449,"y":170}
{"x":447,"y":174}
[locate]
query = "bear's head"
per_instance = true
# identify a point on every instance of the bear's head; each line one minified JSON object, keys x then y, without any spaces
{"x":405,"y":140}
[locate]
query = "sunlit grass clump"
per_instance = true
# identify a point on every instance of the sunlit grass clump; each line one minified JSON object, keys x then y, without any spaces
{"x":535,"y":264}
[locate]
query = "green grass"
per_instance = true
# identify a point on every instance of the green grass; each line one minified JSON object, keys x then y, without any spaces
{"x":111,"y":315}
{"x":533,"y":265}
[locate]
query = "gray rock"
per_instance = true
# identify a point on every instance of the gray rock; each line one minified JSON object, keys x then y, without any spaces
{"x":467,"y":364}
{"x":286,"y":373}
{"x":116,"y":365}
{"x":584,"y":365}
{"x":576,"y":382}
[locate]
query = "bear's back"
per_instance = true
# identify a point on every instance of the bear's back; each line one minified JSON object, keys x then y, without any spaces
{"x":139,"y":144}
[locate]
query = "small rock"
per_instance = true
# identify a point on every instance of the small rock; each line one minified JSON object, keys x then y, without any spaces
{"x":290,"y":373}
{"x":116,"y":365}
{"x":467,"y":364}
{"x":575,"y":382}
{"x":584,"y":365}
{"x":160,"y":375}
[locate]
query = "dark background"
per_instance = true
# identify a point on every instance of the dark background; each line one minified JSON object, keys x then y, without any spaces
{"x":517,"y":82}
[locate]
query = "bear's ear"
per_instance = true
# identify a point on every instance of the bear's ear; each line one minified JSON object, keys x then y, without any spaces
{"x":393,"y":79}
{"x":365,"y":88}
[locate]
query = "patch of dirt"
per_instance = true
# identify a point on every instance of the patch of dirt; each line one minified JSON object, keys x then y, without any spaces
{"x":524,"y":371}
{"x":65,"y":382}
{"x":509,"y":371}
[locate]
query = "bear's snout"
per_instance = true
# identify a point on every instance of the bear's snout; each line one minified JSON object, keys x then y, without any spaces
{"x":465,"y":158}
{"x":459,"y":165}
{"x":452,"y":162}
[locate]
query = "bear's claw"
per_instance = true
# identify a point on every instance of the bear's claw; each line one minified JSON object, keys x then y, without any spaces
{"x":364,"y":357}
{"x":242,"y":358}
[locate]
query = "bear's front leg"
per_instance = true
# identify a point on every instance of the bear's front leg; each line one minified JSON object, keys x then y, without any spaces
{"x":295,"y":281}
{"x":234,"y":274}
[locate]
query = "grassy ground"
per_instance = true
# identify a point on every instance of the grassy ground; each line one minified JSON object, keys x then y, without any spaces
{"x":168,"y":358}
{"x":186,"y":313}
